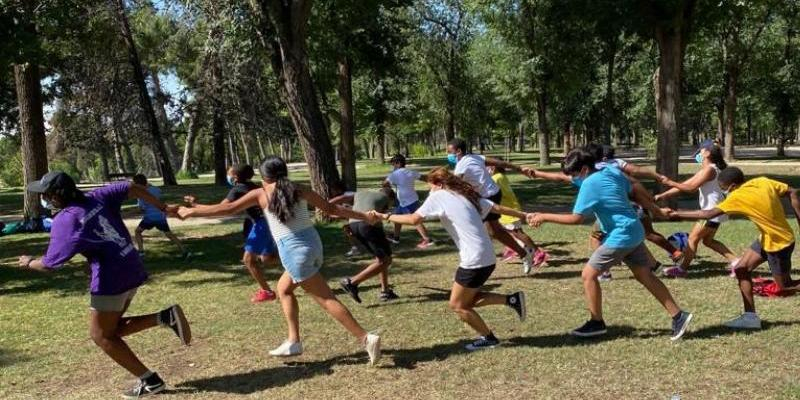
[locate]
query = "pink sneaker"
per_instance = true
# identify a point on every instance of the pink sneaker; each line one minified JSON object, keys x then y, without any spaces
{"x":733,"y":264}
{"x":509,"y":255}
{"x":540,"y":258}
{"x":425,"y":243}
{"x":263,"y":295}
{"x":675,"y":272}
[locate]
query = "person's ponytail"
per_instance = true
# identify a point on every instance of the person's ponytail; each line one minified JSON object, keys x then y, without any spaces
{"x":286,"y":195}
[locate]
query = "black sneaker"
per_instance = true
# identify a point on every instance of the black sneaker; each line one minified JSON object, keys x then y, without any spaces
{"x":590,"y":329}
{"x":350,"y":288}
{"x":517,"y":302}
{"x":680,"y":324}
{"x":388,"y":295}
{"x":174,"y":319}
{"x":483,"y":342}
{"x":145,"y":387}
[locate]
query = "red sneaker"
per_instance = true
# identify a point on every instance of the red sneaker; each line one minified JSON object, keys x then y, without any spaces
{"x":263,"y":295}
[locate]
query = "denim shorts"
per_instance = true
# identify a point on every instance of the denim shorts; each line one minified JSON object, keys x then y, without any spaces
{"x":259,"y":240}
{"x":301,"y":254}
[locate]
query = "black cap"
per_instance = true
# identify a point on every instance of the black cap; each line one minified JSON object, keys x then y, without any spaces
{"x":707,"y":144}
{"x":51,"y":182}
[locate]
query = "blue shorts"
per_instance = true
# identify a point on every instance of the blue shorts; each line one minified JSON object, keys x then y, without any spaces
{"x":409,"y":209}
{"x":147,"y":224}
{"x":301,"y":254}
{"x":259,"y":240}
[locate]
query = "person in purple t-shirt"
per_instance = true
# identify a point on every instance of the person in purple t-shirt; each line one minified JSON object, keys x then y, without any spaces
{"x":91,"y":224}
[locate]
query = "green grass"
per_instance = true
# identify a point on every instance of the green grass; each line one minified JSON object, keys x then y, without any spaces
{"x":45,"y":351}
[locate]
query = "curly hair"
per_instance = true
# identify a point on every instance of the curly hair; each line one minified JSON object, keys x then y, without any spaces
{"x":443,"y":176}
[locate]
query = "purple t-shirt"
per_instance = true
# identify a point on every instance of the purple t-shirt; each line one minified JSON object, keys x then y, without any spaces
{"x":95,"y":230}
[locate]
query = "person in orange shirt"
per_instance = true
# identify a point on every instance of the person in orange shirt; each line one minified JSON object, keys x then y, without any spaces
{"x":759,"y":200}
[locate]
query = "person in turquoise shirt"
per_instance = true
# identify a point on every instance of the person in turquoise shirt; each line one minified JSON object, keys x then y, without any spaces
{"x":604,"y":193}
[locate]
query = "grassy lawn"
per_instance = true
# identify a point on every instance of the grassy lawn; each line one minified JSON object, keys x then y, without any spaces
{"x":45,"y":351}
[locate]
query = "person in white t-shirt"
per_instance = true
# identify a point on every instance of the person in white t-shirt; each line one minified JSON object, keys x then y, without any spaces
{"x":403,"y":180}
{"x":461,"y":211}
{"x":472,"y":169}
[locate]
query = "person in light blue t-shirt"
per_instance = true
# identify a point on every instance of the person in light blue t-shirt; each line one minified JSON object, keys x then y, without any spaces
{"x":152,"y":217}
{"x":605,"y":193}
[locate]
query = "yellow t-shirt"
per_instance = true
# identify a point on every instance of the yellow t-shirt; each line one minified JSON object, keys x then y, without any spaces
{"x":759,"y":200}
{"x":509,"y":199}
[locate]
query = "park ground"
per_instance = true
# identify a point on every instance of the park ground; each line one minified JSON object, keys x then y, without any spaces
{"x":45,"y":351}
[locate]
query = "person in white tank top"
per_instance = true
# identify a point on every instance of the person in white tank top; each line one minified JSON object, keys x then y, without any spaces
{"x":285,"y":207}
{"x":704,"y":181}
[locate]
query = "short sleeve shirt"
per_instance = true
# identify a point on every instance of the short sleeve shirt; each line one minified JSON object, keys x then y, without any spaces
{"x":238,"y":191}
{"x":759,"y":200}
{"x":403,"y":180}
{"x":472,"y":168}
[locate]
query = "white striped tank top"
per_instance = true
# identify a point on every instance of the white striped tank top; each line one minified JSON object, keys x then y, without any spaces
{"x":302,"y":220}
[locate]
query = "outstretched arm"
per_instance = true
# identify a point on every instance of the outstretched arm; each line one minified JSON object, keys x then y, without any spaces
{"x":253,"y":198}
{"x":537,"y":219}
{"x":137,"y":191}
{"x":692,"y":184}
{"x":672,"y":192}
{"x":495,"y":162}
{"x":342,"y":199}
{"x":548,"y":176}
{"x":31,"y":263}
{"x":332,"y":209}
{"x":642,"y":172}
{"x":696,"y":215}
{"x":407,"y":219}
{"x":498,"y":209}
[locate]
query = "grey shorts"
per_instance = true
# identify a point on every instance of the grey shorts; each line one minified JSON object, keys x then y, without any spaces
{"x":112,"y":303}
{"x":634,"y":257}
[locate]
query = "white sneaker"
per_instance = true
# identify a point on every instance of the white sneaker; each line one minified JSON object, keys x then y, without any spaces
{"x":354,"y":251}
{"x":527,"y":261}
{"x":287,"y":349}
{"x":373,"y":346}
{"x":747,"y":320}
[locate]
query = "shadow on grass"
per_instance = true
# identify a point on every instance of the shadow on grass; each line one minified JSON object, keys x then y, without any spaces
{"x":435,"y":295}
{"x":9,"y":357}
{"x":715,"y":331}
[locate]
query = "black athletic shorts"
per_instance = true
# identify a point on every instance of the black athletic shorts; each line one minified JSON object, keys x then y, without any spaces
{"x":372,"y":237}
{"x":496,"y":198}
{"x":780,"y":262}
{"x":711,"y":224}
{"x":473,"y":278}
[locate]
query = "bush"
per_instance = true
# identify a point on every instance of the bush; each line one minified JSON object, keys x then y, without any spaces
{"x":182,"y":175}
{"x":418,"y":150}
{"x":11,"y":174}
{"x":66,"y":167}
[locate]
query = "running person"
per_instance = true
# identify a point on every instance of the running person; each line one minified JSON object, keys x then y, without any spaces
{"x":258,"y":243}
{"x":153,"y":218}
{"x":472,"y":169}
{"x":759,"y":200}
{"x":461,"y":211}
{"x":513,"y":224}
{"x":704,"y":181}
{"x":90,"y":224}
{"x":403,"y":180}
{"x":605,"y":193}
{"x":286,"y":207}
{"x":372,"y":237}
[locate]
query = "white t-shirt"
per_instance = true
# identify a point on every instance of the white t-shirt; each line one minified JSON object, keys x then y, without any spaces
{"x":403,"y":179}
{"x":464,"y":224}
{"x":472,"y":168}
{"x":614,"y":162}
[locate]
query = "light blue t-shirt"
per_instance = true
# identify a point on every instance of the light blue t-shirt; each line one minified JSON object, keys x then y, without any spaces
{"x":605,"y":194}
{"x":151,"y":212}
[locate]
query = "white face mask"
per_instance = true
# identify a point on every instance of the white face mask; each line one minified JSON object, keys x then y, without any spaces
{"x":46,"y":204}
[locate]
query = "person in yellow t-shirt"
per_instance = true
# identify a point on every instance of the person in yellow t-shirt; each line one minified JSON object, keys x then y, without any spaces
{"x":759,"y":200}
{"x":513,"y":224}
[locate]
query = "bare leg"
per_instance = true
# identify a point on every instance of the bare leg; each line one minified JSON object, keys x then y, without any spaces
{"x":483,"y":299}
{"x":139,"y":239}
{"x":655,"y":237}
{"x":104,"y":331}
{"x":462,"y":301}
{"x":378,"y":266}
{"x":591,"y":289}
{"x":695,"y":237}
{"x":423,"y":232}
{"x":397,"y":229}
{"x":177,"y":242}
{"x":717,"y":246}
{"x":654,"y":285}
{"x":502,"y":236}
{"x":524,"y":238}
{"x":322,"y":294}
{"x":251,"y":263}
{"x":750,"y":261}
{"x":291,"y":311}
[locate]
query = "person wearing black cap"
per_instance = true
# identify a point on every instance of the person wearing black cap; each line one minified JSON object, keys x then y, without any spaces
{"x":91,"y":224}
{"x":709,"y":156}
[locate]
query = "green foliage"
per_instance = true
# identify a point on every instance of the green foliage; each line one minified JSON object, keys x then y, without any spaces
{"x":11,"y":168}
{"x":66,"y":167}
{"x":186,"y":175}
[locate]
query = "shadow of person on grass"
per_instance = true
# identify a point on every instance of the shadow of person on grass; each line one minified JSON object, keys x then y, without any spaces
{"x":435,"y":295}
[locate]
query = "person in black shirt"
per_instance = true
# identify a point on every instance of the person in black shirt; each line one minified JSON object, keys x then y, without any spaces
{"x":258,"y":245}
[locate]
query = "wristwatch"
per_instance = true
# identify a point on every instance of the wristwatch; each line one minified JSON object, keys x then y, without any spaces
{"x":28,"y":264}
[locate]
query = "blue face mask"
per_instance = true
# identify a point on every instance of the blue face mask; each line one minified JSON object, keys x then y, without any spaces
{"x":452,"y":159}
{"x":231,"y":182}
{"x":699,"y":158}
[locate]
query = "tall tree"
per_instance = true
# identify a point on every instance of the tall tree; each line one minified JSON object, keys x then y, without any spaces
{"x":31,"y":124}
{"x":161,"y":154}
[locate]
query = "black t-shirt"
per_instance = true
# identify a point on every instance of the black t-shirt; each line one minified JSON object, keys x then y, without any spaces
{"x":240,"y":189}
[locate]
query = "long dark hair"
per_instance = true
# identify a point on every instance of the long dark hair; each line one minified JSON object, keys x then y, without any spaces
{"x":286,"y":194}
{"x":443,"y":176}
{"x":716,"y":156}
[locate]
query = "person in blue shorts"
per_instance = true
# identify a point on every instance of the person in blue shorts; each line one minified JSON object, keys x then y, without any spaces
{"x":258,"y":243}
{"x":605,"y":193}
{"x":403,"y":180}
{"x":153,"y":218}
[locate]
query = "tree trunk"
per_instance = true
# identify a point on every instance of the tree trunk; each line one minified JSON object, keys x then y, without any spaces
{"x":609,"y":100}
{"x":243,"y":143}
{"x":380,"y":132}
{"x":732,"y":77}
{"x":161,"y":112}
{"x":218,"y":131}
{"x":31,"y":128}
{"x":262,"y":155}
{"x":191,"y":137}
{"x":347,"y":124}
{"x":104,"y":168}
{"x":520,"y":137}
{"x":144,"y":97}
{"x":119,"y":161}
{"x":568,"y":137}
{"x":544,"y":130}
{"x":287,"y":23}
{"x":749,"y":124}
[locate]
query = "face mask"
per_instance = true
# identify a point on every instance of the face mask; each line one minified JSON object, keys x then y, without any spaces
{"x":699,"y":158}
{"x":452,"y":159}
{"x":46,"y":204}
{"x":230,"y":180}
